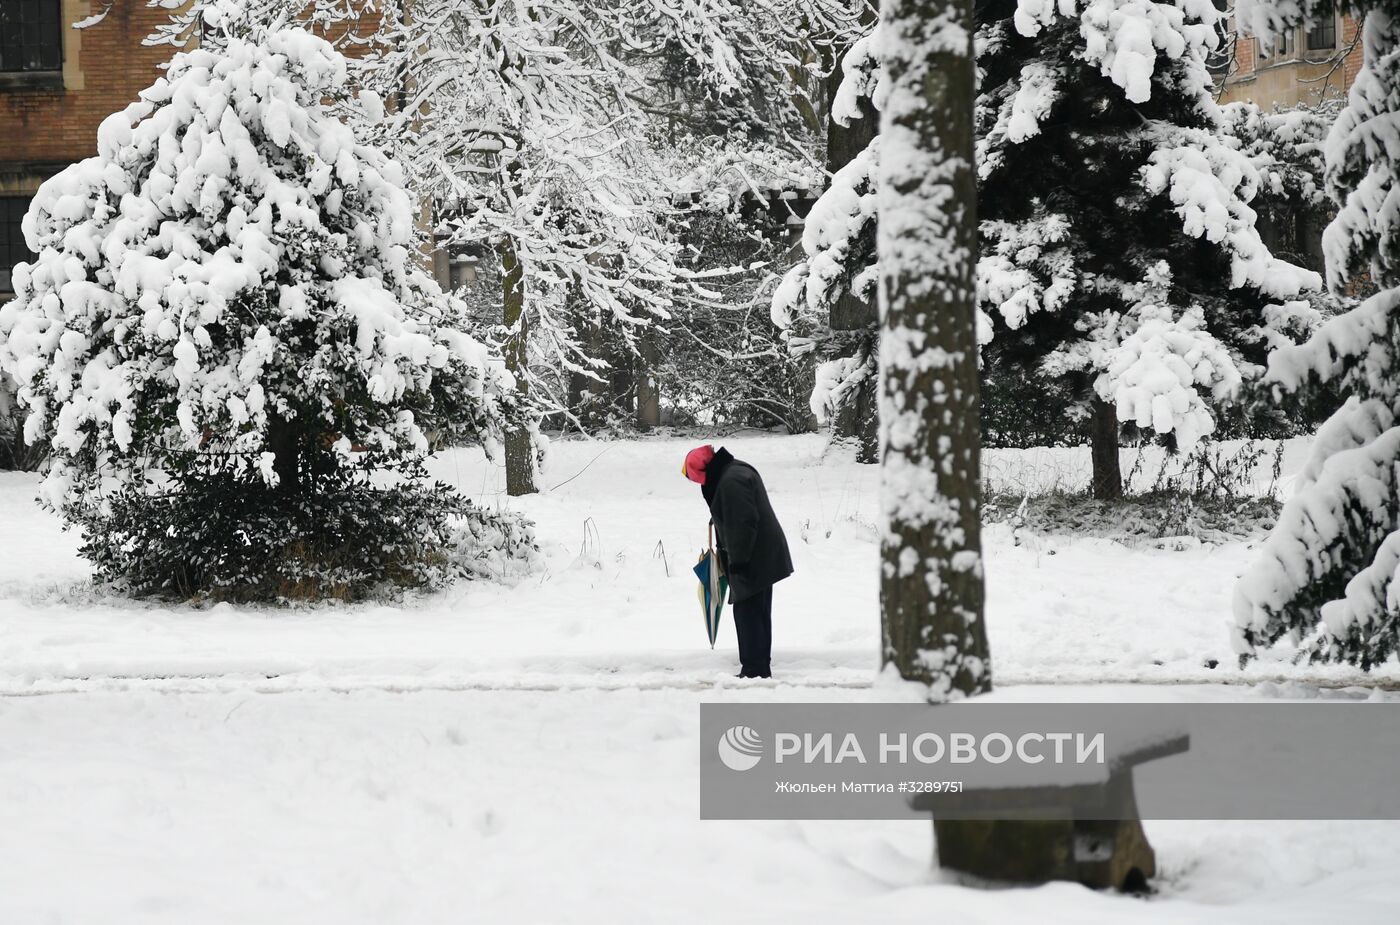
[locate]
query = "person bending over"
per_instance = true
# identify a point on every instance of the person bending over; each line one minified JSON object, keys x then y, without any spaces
{"x":752,"y":548}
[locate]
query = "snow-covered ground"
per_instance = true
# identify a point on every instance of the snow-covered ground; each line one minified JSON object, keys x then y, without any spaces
{"x":527,"y":754}
{"x":614,"y":605}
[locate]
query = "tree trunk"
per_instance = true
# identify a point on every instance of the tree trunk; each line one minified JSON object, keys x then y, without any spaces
{"x":283,"y":441}
{"x":1108,"y":473}
{"x":858,"y":423}
{"x":648,"y":389}
{"x":520,"y":449}
{"x":867,"y":422}
{"x":931,"y":590}
{"x":844,"y":142}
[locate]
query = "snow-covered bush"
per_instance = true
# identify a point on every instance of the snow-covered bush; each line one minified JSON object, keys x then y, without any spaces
{"x":215,"y":538}
{"x":1329,"y":575}
{"x":227,"y":314}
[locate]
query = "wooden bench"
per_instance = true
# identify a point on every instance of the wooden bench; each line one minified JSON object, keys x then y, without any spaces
{"x":1088,"y":833}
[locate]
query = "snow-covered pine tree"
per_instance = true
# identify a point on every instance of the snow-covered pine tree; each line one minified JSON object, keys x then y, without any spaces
{"x":1120,"y":267}
{"x":931,"y":588}
{"x":1328,"y":577}
{"x":227,"y":335}
{"x":1120,"y":258}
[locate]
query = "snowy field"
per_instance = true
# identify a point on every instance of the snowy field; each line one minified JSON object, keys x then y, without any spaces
{"x":528,"y":754}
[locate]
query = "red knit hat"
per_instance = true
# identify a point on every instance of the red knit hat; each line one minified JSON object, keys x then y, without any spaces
{"x":695,"y":462}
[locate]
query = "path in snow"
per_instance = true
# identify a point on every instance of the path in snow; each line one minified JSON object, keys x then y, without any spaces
{"x":618,"y":608}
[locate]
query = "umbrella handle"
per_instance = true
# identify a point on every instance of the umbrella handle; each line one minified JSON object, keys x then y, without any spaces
{"x":713,"y":555}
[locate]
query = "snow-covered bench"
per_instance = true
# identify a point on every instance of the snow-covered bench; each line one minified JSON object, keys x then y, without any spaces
{"x":1087,"y":832}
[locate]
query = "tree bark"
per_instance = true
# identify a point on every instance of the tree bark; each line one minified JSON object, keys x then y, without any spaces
{"x":1108,"y":473}
{"x":931,"y":591}
{"x":867,"y":422}
{"x":648,"y":389}
{"x":844,"y":142}
{"x":284,"y":441}
{"x":520,"y":448}
{"x":859,"y":422}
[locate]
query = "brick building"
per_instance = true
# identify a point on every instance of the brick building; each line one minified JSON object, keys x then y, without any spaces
{"x":1304,"y":65}
{"x":57,"y":84}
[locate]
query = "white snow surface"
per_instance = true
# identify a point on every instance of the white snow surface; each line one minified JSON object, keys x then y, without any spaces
{"x":528,"y":754}
{"x":604,"y":612}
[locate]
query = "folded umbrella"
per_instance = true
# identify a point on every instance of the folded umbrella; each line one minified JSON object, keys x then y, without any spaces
{"x":714,"y":588}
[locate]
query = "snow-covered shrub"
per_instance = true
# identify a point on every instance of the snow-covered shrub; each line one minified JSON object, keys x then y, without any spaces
{"x":228,"y":303}
{"x":216,"y":539}
{"x":1329,"y":575}
{"x":495,"y":545}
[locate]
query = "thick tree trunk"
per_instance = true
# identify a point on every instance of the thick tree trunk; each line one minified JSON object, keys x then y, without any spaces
{"x":520,"y":449}
{"x":931,"y":589}
{"x":1108,"y":473}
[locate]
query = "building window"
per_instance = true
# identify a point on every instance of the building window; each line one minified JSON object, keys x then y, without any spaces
{"x":465,"y":270}
{"x":31,"y":36}
{"x":1284,"y":48}
{"x":1323,"y":35}
{"x":1222,"y":60}
{"x":12,"y":249}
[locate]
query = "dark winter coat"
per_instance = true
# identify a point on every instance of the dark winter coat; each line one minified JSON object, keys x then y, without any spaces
{"x":752,"y":547}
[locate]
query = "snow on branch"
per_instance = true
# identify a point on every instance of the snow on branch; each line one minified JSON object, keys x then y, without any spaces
{"x":1125,"y":37}
{"x":1210,"y":184}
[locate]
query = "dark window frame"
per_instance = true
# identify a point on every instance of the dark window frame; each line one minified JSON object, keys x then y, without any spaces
{"x":31,"y":44}
{"x":1283,"y":49}
{"x":1324,"y":30}
{"x":13,"y":250}
{"x":1221,"y":62}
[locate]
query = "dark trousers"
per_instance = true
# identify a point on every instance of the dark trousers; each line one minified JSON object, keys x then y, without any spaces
{"x":753,"y":624}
